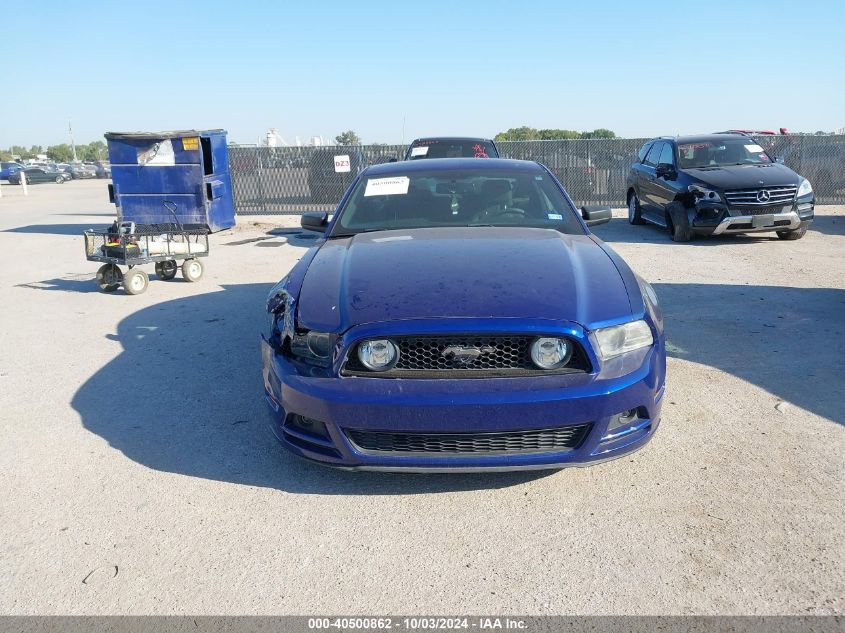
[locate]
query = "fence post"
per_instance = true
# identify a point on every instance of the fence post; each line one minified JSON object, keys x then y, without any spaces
{"x":23,"y":182}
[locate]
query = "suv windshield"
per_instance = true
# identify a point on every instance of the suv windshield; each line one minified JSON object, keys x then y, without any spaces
{"x":465,"y":197}
{"x":445,"y":148}
{"x":721,"y":153}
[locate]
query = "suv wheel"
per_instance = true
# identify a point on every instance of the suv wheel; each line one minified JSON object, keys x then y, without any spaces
{"x":795,"y":234}
{"x":677,"y":222}
{"x":634,"y":210}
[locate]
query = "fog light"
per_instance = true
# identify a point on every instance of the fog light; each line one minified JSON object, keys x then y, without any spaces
{"x":378,"y":355}
{"x":620,"y":420}
{"x":550,"y":353}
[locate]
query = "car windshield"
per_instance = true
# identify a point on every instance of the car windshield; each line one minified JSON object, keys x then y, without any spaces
{"x":721,"y":153}
{"x":452,"y":149}
{"x":465,"y":197}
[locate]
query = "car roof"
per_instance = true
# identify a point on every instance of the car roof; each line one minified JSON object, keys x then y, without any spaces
{"x":702,"y":138}
{"x":451,"y":139}
{"x":452,"y":164}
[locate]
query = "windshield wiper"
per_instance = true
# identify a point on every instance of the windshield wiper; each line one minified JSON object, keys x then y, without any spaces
{"x":353,"y":233}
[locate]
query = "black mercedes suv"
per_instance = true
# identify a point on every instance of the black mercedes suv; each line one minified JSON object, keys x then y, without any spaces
{"x":717,"y":184}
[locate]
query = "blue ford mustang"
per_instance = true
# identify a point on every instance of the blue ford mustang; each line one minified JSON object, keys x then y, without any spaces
{"x":458,"y":315}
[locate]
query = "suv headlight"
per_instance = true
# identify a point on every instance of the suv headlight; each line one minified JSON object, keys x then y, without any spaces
{"x":804,"y":188}
{"x":620,"y":339}
{"x":704,"y":193}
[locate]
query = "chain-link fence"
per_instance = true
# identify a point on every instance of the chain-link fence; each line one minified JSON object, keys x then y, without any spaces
{"x":293,"y":180}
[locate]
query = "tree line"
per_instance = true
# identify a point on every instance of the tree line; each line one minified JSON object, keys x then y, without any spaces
{"x":62,"y":153}
{"x":525,"y":133}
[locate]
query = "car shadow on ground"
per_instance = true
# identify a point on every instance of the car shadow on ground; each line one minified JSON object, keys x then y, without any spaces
{"x":620,"y":230}
{"x":185,"y":394}
{"x":191,"y":369}
{"x":829,"y":224}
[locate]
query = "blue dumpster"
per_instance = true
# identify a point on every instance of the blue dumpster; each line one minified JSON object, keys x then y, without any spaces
{"x":187,"y":169}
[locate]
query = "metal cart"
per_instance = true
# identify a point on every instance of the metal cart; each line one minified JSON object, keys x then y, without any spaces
{"x":129,"y":245}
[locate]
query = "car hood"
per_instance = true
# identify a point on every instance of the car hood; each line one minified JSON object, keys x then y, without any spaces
{"x":746,"y":176}
{"x":460,"y":272}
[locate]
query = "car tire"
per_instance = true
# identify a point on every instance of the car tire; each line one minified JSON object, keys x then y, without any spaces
{"x":60,"y":180}
{"x":677,"y":222}
{"x":634,"y":209}
{"x":109,"y":277}
{"x":795,"y":234}
{"x":135,"y":281}
{"x":192,"y":270}
{"x":166,"y":270}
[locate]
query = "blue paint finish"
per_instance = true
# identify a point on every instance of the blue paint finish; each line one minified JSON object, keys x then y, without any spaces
{"x":455,"y":280}
{"x":198,"y":181}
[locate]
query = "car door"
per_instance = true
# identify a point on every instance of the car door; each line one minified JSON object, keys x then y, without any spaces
{"x":35,"y":175}
{"x":664,"y":188}
{"x":648,"y":189}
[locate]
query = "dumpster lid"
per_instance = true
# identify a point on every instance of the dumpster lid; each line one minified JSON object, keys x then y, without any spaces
{"x":160,"y":135}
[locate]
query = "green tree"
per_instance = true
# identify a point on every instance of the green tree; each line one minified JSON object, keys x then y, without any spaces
{"x":35,"y":150}
{"x":599,"y":133}
{"x":559,"y":135}
{"x":60,"y":153}
{"x":347,"y":138}
{"x":5,"y":155}
{"x":523,"y":133}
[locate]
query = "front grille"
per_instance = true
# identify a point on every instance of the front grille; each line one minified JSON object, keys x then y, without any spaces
{"x":777,"y":196}
{"x":564,"y":438}
{"x":428,"y":356}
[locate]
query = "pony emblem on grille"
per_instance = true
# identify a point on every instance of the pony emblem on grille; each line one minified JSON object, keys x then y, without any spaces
{"x":465,"y":355}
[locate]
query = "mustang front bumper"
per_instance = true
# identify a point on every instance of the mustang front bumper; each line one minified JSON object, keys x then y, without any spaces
{"x":317,"y":417}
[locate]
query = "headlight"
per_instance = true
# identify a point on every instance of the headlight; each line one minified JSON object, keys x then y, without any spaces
{"x":704,"y":193}
{"x":619,"y":339}
{"x":805,"y":188}
{"x":378,"y":355}
{"x":550,"y":353}
{"x":313,"y":347}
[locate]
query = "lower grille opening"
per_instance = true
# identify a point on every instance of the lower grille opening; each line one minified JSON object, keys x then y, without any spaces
{"x":554,"y":440}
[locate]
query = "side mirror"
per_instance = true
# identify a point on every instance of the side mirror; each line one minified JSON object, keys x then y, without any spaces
{"x":596,"y":215}
{"x":779,"y":160}
{"x":665,"y":170}
{"x":315,"y":221}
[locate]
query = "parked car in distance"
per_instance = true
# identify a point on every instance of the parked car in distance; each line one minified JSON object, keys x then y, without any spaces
{"x":331,"y":170}
{"x":36,"y":175}
{"x":9,"y":168}
{"x":102,"y":168}
{"x":457,"y":314}
{"x":451,"y":147}
{"x":717,"y":184}
{"x":81,"y":170}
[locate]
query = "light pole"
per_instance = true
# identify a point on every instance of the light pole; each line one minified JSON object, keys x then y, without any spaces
{"x":72,"y":145}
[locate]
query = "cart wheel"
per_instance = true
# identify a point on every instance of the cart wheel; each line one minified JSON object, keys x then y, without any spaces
{"x":166,"y":270}
{"x":192,"y":270}
{"x":109,"y":277}
{"x":135,"y":281}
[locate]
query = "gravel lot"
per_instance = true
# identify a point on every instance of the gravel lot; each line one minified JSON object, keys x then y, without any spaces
{"x":138,"y":476}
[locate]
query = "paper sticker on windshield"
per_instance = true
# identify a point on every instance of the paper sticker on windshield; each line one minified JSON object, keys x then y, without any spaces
{"x":398,"y":185}
{"x":555,"y":216}
{"x":422,"y":150}
{"x":753,"y":149}
{"x":160,"y":153}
